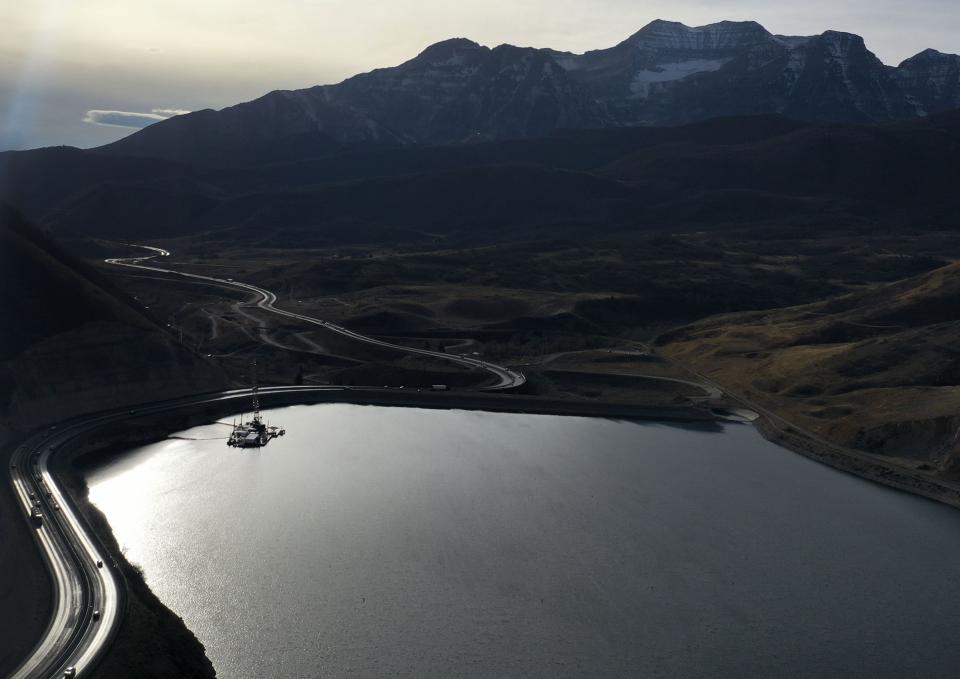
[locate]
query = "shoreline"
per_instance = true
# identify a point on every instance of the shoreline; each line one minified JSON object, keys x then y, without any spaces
{"x":151,"y":634}
{"x":858,"y":464}
{"x":184,"y":653}
{"x":151,"y":637}
{"x":777,"y":429}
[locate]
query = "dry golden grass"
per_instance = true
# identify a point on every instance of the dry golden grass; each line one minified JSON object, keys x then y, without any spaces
{"x":877,"y":370}
{"x":446,"y":306}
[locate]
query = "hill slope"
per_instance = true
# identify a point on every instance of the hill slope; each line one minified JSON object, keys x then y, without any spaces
{"x":877,"y":370}
{"x":73,"y":343}
{"x":766,"y":173}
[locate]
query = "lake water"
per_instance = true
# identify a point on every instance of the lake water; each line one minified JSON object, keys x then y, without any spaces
{"x":389,"y":542}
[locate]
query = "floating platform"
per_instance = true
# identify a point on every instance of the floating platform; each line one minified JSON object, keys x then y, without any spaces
{"x":253,"y":434}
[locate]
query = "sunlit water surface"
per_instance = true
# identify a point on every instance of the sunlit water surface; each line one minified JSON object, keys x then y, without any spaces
{"x":387,"y":542}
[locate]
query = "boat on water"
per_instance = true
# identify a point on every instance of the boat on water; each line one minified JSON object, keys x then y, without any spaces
{"x":255,"y":433}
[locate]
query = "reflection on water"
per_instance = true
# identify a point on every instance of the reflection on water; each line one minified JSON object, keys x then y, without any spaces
{"x":379,"y":542}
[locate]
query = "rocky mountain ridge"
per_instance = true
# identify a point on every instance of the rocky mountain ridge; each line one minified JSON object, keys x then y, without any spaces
{"x":665,"y":74}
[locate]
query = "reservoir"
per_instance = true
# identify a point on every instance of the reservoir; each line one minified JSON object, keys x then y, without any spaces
{"x":393,"y":542}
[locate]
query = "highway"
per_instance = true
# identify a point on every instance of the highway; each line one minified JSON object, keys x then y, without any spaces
{"x":80,"y":587}
{"x":88,"y":588}
{"x":505,"y":378}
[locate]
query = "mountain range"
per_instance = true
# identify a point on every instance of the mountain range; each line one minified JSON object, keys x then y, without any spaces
{"x":666,"y":74}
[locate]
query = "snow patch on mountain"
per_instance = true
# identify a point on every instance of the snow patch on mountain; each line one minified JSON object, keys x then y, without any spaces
{"x":673,"y":71}
{"x":567,"y":61}
{"x":932,"y":78}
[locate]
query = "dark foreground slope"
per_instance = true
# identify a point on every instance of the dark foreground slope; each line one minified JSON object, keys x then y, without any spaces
{"x":73,"y":343}
{"x":877,"y":371}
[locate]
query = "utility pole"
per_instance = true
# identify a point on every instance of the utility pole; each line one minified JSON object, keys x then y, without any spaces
{"x":256,"y":396}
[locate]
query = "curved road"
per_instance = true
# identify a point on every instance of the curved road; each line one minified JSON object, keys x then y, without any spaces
{"x":88,"y":589}
{"x":80,"y":587}
{"x":506,"y":378}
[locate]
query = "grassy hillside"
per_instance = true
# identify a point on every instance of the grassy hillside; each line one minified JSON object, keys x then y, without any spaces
{"x":877,"y":370}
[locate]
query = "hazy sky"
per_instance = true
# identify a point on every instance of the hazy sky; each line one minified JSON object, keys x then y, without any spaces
{"x":82,"y":72}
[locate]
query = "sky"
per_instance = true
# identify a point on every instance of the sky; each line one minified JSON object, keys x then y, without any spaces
{"x":87,"y":72}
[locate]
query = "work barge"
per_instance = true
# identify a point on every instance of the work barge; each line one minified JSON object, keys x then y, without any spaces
{"x":255,"y":433}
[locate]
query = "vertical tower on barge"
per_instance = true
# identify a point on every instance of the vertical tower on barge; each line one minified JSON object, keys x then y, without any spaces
{"x":255,"y":433}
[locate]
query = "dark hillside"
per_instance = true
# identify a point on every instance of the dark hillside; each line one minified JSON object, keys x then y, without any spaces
{"x":67,"y":187}
{"x":47,"y":292}
{"x":39,"y":182}
{"x":73,"y":342}
{"x":909,"y":168}
{"x":494,"y":199}
{"x":764,"y":174}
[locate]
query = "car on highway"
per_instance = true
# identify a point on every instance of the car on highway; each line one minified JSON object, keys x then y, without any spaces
{"x":70,"y":672}
{"x":96,"y":614}
{"x":99,"y":563}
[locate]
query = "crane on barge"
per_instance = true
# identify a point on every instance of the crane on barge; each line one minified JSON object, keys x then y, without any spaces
{"x":255,"y":433}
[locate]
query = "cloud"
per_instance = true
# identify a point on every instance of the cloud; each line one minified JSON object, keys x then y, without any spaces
{"x":168,"y":112}
{"x":130,"y":118}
